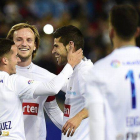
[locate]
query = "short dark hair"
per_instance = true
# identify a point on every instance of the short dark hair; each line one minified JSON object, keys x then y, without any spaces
{"x":70,"y":33}
{"x":124,"y":19}
{"x":5,"y":46}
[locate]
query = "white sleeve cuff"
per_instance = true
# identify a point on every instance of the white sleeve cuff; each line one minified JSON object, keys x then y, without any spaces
{"x":67,"y":70}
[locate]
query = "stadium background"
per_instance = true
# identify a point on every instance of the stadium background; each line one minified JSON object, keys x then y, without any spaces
{"x":90,"y":16}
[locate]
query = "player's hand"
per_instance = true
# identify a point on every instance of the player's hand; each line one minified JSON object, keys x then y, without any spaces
{"x":71,"y":125}
{"x":74,"y":58}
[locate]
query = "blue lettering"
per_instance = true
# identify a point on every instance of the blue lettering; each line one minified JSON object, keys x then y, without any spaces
{"x":74,"y":93}
{"x":9,"y":124}
{"x":71,"y":93}
{"x":133,"y":121}
{"x":5,"y":125}
{"x":2,"y":126}
{"x":137,"y":62}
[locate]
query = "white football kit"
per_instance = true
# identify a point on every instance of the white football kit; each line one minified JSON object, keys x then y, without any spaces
{"x":34,"y":119}
{"x":14,"y":88}
{"x":75,"y":100}
{"x":113,"y":100}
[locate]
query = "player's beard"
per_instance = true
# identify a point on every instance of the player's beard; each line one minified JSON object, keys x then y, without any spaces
{"x":63,"y":59}
{"x":24,"y":59}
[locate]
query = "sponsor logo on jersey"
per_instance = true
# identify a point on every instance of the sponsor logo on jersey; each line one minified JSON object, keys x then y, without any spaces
{"x":1,"y":81}
{"x":30,"y":108}
{"x":136,"y":62}
{"x":67,"y":110}
{"x":115,"y":64}
{"x":71,"y":93}
{"x":30,"y":81}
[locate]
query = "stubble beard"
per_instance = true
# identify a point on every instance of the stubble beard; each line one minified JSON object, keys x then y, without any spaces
{"x":24,"y":59}
{"x":62,"y":62}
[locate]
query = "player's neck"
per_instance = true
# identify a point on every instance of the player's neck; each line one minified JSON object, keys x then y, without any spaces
{"x":25,"y":63}
{"x":4,"y":68}
{"x":119,"y":42}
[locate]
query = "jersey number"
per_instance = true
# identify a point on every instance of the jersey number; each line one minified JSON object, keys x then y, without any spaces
{"x":130,"y":75}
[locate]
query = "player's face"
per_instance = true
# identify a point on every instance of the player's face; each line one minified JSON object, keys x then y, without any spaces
{"x":60,"y":52}
{"x":25,"y":41}
{"x":13,"y":60}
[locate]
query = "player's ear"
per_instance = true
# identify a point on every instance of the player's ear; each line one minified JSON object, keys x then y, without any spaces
{"x":111,"y":33}
{"x":137,"y":32}
{"x":4,"y":60}
{"x":71,"y":44}
{"x":35,"y":47}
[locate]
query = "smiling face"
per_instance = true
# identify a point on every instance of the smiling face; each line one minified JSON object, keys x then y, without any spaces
{"x":25,"y":41}
{"x":60,"y":52}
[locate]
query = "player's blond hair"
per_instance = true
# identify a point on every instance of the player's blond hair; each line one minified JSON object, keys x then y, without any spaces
{"x":26,"y":25}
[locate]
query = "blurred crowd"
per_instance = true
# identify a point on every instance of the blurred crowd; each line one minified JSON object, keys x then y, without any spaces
{"x":90,"y":16}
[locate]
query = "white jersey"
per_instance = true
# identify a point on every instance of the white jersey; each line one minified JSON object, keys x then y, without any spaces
{"x":12,"y":90}
{"x":34,"y":120}
{"x":115,"y":82}
{"x":75,"y":100}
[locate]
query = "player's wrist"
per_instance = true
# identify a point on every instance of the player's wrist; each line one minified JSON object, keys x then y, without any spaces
{"x":71,"y":64}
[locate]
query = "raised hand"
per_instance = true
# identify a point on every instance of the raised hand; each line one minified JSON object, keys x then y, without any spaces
{"x":74,"y":58}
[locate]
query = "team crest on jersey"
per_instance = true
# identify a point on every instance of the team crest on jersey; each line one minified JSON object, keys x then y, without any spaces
{"x":115,"y":64}
{"x":30,"y":81}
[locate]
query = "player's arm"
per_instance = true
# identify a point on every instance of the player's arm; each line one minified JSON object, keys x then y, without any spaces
{"x":26,"y":88}
{"x":95,"y":105}
{"x":72,"y":124}
{"x":53,"y":111}
{"x":96,"y":121}
{"x":54,"y":86}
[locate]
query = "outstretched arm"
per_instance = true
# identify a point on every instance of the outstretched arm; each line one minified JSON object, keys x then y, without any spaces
{"x":54,"y":86}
